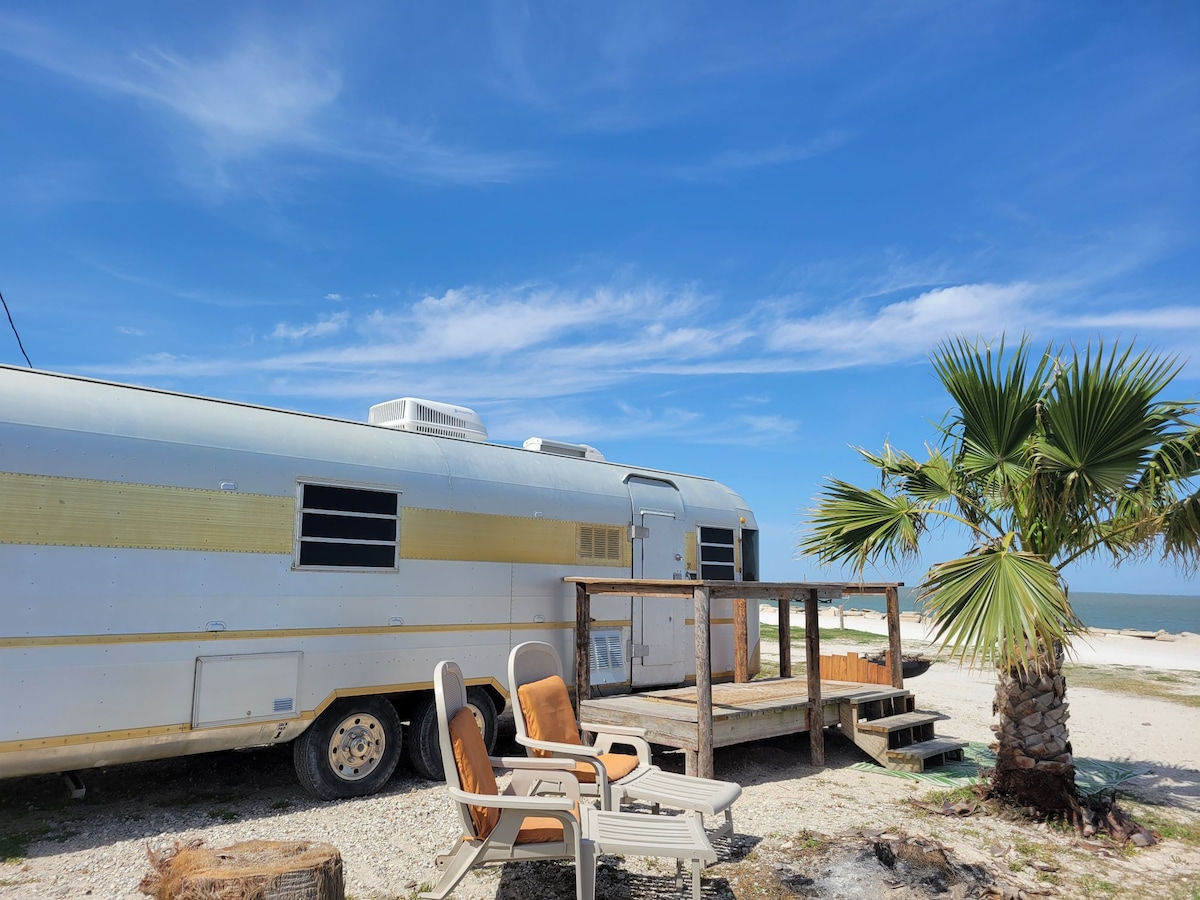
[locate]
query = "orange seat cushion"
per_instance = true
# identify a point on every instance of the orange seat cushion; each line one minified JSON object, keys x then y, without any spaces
{"x":542,"y":829}
{"x":546,"y":707}
{"x":474,"y":769}
{"x":616,"y":765}
{"x":549,"y":716}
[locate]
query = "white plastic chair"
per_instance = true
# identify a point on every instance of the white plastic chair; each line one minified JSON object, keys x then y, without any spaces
{"x":513,"y":825}
{"x":546,"y":726}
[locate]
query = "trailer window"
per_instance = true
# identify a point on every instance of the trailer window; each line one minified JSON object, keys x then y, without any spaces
{"x":716,"y":554}
{"x":749,"y":555}
{"x":347,"y":528}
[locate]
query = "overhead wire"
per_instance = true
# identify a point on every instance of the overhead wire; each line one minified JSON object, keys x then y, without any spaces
{"x":16,"y":334}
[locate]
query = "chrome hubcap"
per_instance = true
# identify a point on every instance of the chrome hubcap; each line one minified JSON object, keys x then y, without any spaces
{"x":356,"y":747}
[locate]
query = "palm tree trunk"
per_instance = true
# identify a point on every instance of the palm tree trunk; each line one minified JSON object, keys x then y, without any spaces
{"x":1035,"y":766}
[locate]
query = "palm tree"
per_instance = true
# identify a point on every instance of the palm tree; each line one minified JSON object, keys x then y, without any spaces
{"x":1042,"y":461}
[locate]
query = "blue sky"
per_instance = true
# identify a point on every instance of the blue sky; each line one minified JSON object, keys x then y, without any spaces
{"x":712,"y":238}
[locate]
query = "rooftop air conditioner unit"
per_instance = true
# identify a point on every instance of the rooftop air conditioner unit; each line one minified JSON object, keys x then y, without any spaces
{"x":561,"y":448}
{"x":429,"y":417}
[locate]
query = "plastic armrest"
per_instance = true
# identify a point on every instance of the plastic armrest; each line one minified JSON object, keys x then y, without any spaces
{"x":535,"y":803}
{"x":604,"y":744}
{"x":573,"y":751}
{"x":532,"y":782}
{"x":530,"y":762}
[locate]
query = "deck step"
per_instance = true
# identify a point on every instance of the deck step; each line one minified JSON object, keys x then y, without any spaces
{"x":888,"y":724}
{"x":873,"y":696}
{"x":926,"y":749}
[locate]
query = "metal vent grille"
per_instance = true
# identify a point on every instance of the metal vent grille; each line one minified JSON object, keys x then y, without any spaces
{"x":284,"y":704}
{"x":422,"y":428}
{"x":606,"y":657}
{"x":599,"y":542}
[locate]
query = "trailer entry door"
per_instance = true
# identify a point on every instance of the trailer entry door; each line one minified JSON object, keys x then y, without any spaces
{"x":660,"y":632}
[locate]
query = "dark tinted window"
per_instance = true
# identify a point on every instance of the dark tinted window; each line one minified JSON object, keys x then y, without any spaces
{"x":351,"y":528}
{"x":716,"y":536}
{"x":348,"y":527}
{"x":749,"y":555}
{"x":357,"y":556}
{"x":322,"y":496}
{"x":717,"y":560}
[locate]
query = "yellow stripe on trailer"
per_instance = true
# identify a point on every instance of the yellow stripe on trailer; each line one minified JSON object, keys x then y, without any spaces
{"x":81,"y":512}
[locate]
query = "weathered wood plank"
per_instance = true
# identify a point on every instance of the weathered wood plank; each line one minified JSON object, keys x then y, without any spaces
{"x":741,"y":642}
{"x":926,"y":749}
{"x":785,"y":638}
{"x":704,"y":699}
{"x":898,"y":722}
{"x":816,"y":715}
{"x":725,"y":590}
{"x":583,"y":626}
{"x":895,"y":660}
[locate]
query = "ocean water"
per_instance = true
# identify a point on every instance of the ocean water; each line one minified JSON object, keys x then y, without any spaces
{"x":1146,"y":612}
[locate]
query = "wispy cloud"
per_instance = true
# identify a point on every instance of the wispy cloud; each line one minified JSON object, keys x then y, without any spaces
{"x":264,"y":94}
{"x":323,"y":327}
{"x":255,"y":95}
{"x":857,"y":334}
{"x":505,"y":347}
{"x":1164,"y":318}
{"x":730,"y":162}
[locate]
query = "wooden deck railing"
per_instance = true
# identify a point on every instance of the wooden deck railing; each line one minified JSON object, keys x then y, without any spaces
{"x":852,"y":667}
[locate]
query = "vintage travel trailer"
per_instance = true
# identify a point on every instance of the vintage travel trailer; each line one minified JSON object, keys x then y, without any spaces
{"x":182,"y":574}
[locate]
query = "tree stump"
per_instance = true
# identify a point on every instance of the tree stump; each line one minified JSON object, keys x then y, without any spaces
{"x":254,"y":870}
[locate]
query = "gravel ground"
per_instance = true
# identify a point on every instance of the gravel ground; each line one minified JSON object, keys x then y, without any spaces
{"x":51,"y":846}
{"x":98,"y":847}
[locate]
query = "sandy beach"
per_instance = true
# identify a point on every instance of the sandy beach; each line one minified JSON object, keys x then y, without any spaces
{"x":1114,"y":715}
{"x":1095,"y":647}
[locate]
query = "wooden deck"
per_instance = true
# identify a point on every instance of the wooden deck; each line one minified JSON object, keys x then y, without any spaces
{"x":740,"y":712}
{"x":702,"y":593}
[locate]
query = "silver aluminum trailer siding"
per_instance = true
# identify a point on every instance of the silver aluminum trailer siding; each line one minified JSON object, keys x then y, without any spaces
{"x":182,"y":575}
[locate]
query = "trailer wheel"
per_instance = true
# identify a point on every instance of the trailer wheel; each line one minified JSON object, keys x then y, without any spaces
{"x":424,"y":747}
{"x":351,"y":750}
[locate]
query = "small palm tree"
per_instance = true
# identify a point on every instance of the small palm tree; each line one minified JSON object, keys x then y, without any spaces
{"x":1043,"y":460}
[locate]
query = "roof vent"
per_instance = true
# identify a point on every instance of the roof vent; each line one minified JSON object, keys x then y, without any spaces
{"x":428,"y":417}
{"x":560,"y":448}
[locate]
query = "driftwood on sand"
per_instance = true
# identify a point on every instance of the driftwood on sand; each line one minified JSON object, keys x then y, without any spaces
{"x":253,"y":870}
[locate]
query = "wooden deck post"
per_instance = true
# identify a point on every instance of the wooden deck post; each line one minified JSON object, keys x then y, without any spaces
{"x":583,"y":627}
{"x":893,"y":621}
{"x":816,"y":709}
{"x":741,"y":642}
{"x":704,"y":712}
{"x":785,"y":636}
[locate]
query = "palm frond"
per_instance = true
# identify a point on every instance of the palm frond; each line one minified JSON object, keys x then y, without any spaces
{"x":996,"y":397}
{"x":857,"y":526}
{"x":1175,"y":460}
{"x":931,"y":481}
{"x":998,"y":606}
{"x":1181,"y":532}
{"x":1102,"y":424}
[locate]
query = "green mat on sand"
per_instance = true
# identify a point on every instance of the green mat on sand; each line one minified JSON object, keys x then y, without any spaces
{"x":1091,"y":775}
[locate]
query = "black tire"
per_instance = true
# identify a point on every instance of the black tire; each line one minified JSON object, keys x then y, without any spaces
{"x":351,"y":750}
{"x":424,"y":747}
